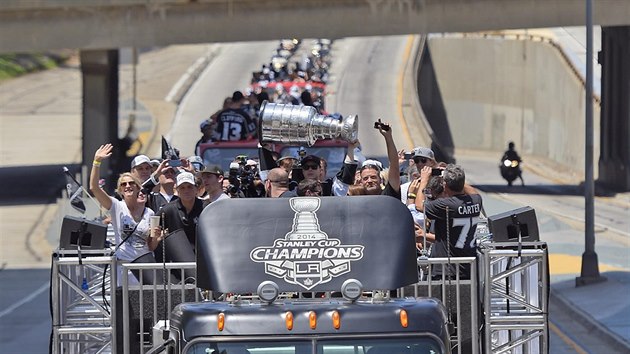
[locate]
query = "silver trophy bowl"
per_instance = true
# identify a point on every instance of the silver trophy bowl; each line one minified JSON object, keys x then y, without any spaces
{"x":291,"y":124}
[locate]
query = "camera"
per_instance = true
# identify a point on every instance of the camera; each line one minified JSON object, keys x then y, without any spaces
{"x":242,"y":179}
{"x":436,"y":171}
{"x":378,"y":124}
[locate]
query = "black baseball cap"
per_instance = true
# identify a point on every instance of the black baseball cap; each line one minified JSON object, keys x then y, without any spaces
{"x":237,"y":96}
{"x":214,"y":169}
{"x":311,"y":158}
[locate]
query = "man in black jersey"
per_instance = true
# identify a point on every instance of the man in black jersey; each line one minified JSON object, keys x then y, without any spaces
{"x":233,"y":123}
{"x":455,"y":216}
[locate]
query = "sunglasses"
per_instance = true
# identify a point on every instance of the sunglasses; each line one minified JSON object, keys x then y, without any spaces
{"x":420,"y":160}
{"x":125,"y":184}
{"x":310,"y":167}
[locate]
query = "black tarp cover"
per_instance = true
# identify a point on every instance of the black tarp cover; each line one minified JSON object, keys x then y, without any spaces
{"x":305,"y":244}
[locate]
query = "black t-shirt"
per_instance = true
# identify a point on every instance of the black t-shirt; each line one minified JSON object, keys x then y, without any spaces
{"x":233,"y":124}
{"x":156,"y":201}
{"x":462,"y":216}
{"x":176,"y":217}
{"x":389,"y":190}
{"x":288,"y":194}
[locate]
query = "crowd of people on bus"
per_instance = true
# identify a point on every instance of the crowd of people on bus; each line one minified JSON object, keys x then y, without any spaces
{"x":445,"y":209}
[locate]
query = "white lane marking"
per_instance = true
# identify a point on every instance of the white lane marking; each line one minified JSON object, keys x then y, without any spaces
{"x":175,"y":90}
{"x":184,"y":100}
{"x":24,"y":300}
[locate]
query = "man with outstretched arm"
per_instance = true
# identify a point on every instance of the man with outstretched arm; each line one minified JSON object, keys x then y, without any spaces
{"x":371,"y":172}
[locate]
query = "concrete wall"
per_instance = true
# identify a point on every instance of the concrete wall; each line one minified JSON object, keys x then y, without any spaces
{"x":498,"y":90}
{"x":39,"y":25}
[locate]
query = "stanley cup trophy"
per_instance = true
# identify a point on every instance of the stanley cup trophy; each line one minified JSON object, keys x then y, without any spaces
{"x":305,"y":224}
{"x":291,"y":124}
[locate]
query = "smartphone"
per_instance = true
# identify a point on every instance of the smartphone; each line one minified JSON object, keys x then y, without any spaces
{"x":408,"y":155}
{"x":174,"y":163}
{"x":436,"y":171}
{"x":381,"y":125}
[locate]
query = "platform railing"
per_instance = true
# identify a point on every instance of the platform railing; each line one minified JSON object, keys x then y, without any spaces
{"x":149,"y":302}
{"x":515,"y":293}
{"x":459,"y":296}
{"x":80,"y":293}
{"x":509,"y":284}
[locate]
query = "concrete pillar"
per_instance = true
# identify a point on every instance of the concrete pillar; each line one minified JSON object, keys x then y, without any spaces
{"x":99,"y":70}
{"x":614,"y":160}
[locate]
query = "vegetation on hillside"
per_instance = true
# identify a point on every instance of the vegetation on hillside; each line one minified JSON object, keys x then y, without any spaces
{"x":12,"y":65}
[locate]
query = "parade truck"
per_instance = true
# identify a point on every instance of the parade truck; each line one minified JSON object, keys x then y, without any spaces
{"x":311,"y":275}
{"x":320,"y":275}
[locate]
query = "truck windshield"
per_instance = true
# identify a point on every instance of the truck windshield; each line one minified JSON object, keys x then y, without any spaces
{"x":407,"y":345}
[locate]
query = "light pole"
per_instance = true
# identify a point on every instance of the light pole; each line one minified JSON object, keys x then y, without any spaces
{"x":590,"y":268}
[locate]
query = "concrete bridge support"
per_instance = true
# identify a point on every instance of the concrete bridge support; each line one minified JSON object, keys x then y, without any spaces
{"x":614,"y":160}
{"x":99,"y":70}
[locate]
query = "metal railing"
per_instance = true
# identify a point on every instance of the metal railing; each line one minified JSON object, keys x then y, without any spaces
{"x":83,"y":325}
{"x":80,"y":293}
{"x":459,"y":296}
{"x":515,"y":297}
{"x":145,"y":304}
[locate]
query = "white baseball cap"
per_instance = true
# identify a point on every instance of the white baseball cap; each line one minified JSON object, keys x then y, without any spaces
{"x":374,"y":163}
{"x":185,"y":177}
{"x":139,"y":160}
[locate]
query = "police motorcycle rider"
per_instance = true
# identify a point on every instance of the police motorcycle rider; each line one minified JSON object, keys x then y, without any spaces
{"x":511,"y":165}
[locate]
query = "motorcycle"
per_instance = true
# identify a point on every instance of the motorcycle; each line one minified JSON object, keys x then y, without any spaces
{"x":510,"y":170}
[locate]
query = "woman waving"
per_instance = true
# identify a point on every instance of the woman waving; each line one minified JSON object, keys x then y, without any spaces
{"x":130,"y":217}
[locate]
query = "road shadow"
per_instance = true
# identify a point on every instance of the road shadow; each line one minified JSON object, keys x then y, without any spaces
{"x":549,"y":189}
{"x":533,"y":189}
{"x":27,"y":185}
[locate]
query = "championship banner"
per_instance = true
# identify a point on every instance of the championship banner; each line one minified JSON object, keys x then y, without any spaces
{"x":305,"y":243}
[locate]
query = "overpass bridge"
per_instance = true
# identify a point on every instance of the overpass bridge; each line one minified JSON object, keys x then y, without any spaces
{"x":99,"y":27}
{"x":103,"y":24}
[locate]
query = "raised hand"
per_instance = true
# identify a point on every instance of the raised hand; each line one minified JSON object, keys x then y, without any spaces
{"x":103,"y":152}
{"x":384,"y":128}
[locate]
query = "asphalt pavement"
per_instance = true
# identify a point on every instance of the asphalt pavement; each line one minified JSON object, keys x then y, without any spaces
{"x":40,"y":125}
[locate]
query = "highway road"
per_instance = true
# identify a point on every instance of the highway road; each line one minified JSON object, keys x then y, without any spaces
{"x":365,"y":81}
{"x":231,"y":70}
